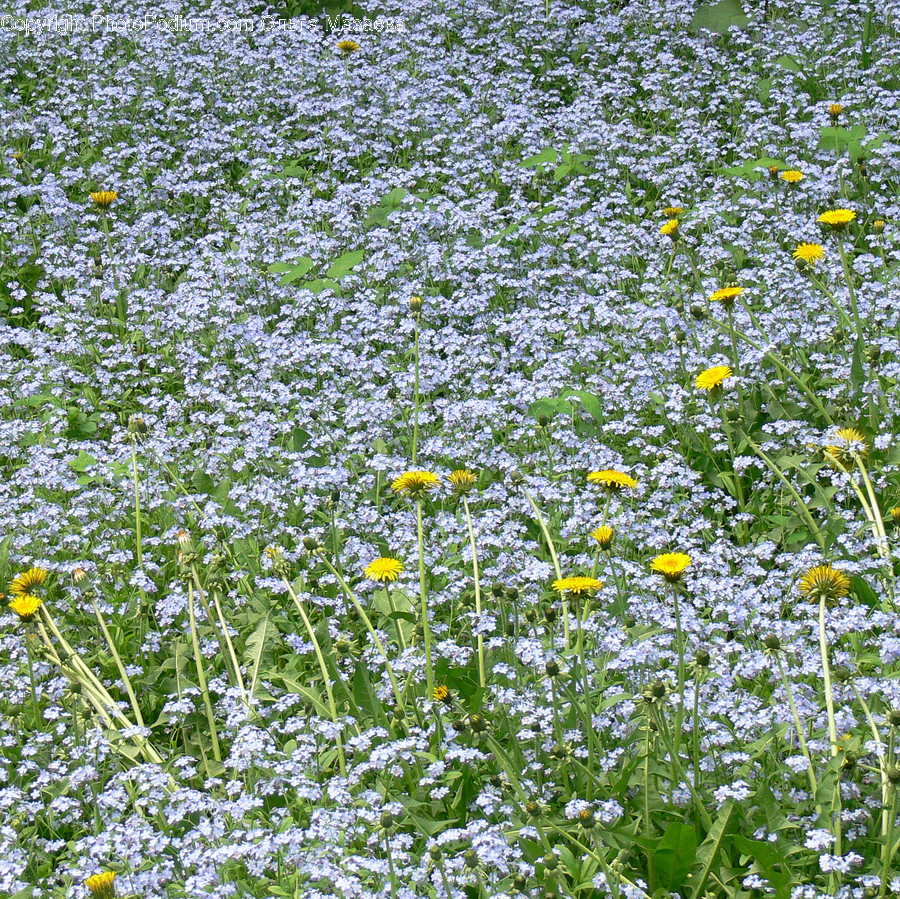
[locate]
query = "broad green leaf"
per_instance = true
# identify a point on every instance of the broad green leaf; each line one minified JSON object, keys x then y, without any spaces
{"x":82,"y":462}
{"x":258,"y":650}
{"x":769,"y":861}
{"x":344,"y":264}
{"x":710,"y":847}
{"x":789,"y":63}
{"x":547,"y":156}
{"x":863,"y":592}
{"x":719,"y":17}
{"x":675,"y":855}
{"x":832,"y":136}
{"x":591,"y":403}
{"x":291,"y":271}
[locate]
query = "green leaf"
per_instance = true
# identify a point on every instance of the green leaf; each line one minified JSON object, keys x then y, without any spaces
{"x":344,"y":264}
{"x":547,"y":156}
{"x":711,"y":846}
{"x":591,"y":403}
{"x":402,"y":614}
{"x":754,"y":169}
{"x":789,"y":63}
{"x":719,"y":17}
{"x":291,"y":271}
{"x":857,"y":369}
{"x":832,"y":136}
{"x":768,"y":860}
{"x":675,"y":855}
{"x":862,"y":592}
{"x":258,"y":650}
{"x":82,"y":462}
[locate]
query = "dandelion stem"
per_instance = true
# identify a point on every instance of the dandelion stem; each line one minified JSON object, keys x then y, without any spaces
{"x":323,"y":668}
{"x":832,"y":724}
{"x":550,"y":545}
{"x":801,"y":736}
{"x":201,"y":677}
{"x":415,"y":442}
{"x":482,"y":678}
{"x":138,"y":554}
{"x":369,"y":626}
{"x":119,"y":664}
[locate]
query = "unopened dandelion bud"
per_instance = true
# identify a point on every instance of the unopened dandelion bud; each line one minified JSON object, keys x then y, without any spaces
{"x":657,"y":690}
{"x":386,"y":820}
{"x":551,"y":862}
{"x":470,"y":857}
{"x":702,"y":659}
{"x":841,"y":673}
{"x":459,"y":726}
{"x":342,"y":646}
{"x":136,"y":425}
{"x":478,"y":723}
{"x":531,"y":615}
{"x":533,"y":809}
{"x":773,"y":172}
{"x":893,"y":774}
{"x":873,"y":353}
{"x":497,"y":589}
{"x":512,"y":594}
{"x":772,"y":642}
{"x":516,"y":478}
{"x":543,"y":421}
{"x":415,"y":305}
{"x":436,"y":853}
{"x":550,"y":615}
{"x":698,"y":311}
{"x":895,"y":516}
{"x":520,"y":883}
{"x":310,"y":544}
{"x":552,"y":668}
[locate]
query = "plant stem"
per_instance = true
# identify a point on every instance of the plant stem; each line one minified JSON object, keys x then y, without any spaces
{"x":201,"y":677}
{"x":832,"y":724}
{"x":482,"y":678}
{"x":323,"y":668}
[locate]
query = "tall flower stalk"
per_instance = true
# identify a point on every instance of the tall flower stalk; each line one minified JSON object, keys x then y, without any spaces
{"x":826,"y":584}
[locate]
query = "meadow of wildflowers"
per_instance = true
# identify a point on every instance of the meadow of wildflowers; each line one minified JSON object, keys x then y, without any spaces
{"x":454,"y":455}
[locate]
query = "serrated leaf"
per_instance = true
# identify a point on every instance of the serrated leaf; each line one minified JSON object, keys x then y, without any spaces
{"x":675,"y":855}
{"x":711,"y":846}
{"x":258,"y":650}
{"x":862,"y":591}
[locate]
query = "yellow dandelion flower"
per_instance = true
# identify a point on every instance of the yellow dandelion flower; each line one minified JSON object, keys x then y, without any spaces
{"x":837,"y":219}
{"x":824,"y":582}
{"x":612,"y":479}
{"x":576,"y":585}
{"x":792,"y":176}
{"x":347,"y":46}
{"x":415,"y":483}
{"x":603,"y":535}
{"x":670,"y":228}
{"x":713,"y":378}
{"x":809,"y":253}
{"x":25,"y":606}
{"x":26,"y":583}
{"x":726,"y":295}
{"x":671,"y":565}
{"x":895,"y":515}
{"x":846,"y":443}
{"x":878,"y":226}
{"x":835,"y":109}
{"x":104,"y":198}
{"x":672,"y":212}
{"x":384,"y":570}
{"x":102,"y":886}
{"x":462,"y":480}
